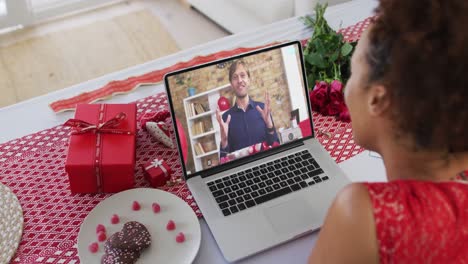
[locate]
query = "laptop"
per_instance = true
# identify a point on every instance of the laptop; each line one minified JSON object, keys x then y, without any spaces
{"x":248,"y":151}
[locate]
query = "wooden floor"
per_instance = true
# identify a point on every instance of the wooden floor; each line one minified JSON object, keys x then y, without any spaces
{"x":36,"y":65}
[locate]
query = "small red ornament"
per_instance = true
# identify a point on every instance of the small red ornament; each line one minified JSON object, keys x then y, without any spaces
{"x":100,"y":228}
{"x":223,"y":103}
{"x":180,"y":238}
{"x":157,"y":172}
{"x":93,"y":247}
{"x":101,"y":236}
{"x":115,"y":219}
{"x":170,"y":225}
{"x":156,"y":207}
{"x":136,"y":206}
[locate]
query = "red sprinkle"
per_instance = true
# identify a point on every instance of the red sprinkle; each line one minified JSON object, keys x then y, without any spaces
{"x":170,"y":225}
{"x":101,"y":236}
{"x":156,"y":207}
{"x":100,"y":228}
{"x":93,"y":247}
{"x":180,"y":238}
{"x":115,"y":219}
{"x":136,"y":206}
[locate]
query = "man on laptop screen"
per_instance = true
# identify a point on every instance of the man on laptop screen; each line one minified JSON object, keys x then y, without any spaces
{"x":248,"y":122}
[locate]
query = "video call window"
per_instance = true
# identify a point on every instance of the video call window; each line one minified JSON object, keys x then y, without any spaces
{"x":240,"y":107}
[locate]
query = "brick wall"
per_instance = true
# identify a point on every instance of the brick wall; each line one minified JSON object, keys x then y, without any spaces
{"x":266,"y":72}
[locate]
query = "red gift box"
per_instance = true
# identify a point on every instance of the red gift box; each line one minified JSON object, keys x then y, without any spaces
{"x":157,"y":172}
{"x":101,"y":154}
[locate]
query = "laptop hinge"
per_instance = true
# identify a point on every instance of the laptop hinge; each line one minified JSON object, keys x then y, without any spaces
{"x":261,"y":155}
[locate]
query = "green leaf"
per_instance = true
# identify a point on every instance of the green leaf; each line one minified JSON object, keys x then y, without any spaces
{"x":308,"y":20}
{"x":320,"y":47}
{"x":334,"y":56}
{"x":316,"y":59}
{"x":346,"y":49}
{"x":339,"y":37}
{"x":317,"y":31}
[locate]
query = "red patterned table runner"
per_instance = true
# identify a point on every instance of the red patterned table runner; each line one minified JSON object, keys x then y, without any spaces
{"x":33,"y":167}
{"x":350,"y":33}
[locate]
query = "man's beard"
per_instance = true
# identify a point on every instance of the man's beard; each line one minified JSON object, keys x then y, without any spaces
{"x":241,"y":96}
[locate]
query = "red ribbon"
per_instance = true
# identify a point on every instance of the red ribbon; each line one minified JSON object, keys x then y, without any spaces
{"x":108,"y":127}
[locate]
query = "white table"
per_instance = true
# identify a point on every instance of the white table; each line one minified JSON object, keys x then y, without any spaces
{"x":35,"y":115}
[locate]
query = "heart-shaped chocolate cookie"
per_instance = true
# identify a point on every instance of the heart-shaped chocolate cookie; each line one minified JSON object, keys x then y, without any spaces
{"x":121,"y":256}
{"x":134,"y":236}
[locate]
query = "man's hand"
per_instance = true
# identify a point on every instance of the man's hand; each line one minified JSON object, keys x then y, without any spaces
{"x":224,"y":126}
{"x":266,"y":112}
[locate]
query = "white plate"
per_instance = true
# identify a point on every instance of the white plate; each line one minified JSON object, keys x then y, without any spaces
{"x":164,"y":248}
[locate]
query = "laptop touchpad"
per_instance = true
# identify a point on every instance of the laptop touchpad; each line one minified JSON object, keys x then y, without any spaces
{"x":290,"y":217}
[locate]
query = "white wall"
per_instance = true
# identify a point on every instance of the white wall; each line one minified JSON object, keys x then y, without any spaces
{"x":294,"y":81}
{"x":268,"y":11}
{"x":2,"y":7}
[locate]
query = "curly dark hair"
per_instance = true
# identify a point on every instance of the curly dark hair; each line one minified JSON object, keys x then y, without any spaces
{"x":419,"y":50}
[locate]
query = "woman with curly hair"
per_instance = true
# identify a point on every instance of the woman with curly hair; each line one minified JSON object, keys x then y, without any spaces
{"x":407,"y":97}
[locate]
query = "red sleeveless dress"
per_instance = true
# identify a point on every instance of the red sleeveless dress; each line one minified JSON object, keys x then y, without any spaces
{"x":421,"y":222}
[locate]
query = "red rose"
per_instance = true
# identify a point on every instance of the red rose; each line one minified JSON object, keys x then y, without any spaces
{"x":319,"y":96}
{"x":335,"y":108}
{"x":336,"y":92}
{"x":321,"y":85}
{"x":336,"y":85}
{"x":336,"y":96}
{"x":344,"y":115}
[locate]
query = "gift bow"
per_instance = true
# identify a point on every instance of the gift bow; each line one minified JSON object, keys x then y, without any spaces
{"x":109,"y":126}
{"x":157,"y":163}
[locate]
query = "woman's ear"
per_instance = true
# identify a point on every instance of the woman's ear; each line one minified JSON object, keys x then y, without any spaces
{"x":378,"y":100}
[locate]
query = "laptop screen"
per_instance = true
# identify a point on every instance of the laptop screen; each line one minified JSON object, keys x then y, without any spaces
{"x":239,"y":107}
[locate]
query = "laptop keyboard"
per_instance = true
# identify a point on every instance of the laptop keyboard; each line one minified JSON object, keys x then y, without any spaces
{"x":254,"y":186}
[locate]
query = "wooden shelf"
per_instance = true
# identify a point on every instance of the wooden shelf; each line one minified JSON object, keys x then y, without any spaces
{"x":207,"y":154}
{"x":207,"y":113}
{"x":204,"y":134}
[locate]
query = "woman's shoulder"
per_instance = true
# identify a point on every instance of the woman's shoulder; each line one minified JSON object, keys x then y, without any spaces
{"x":348,"y":229}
